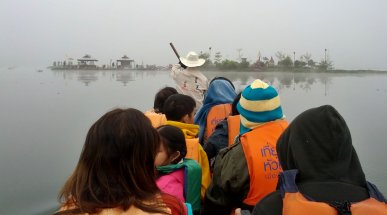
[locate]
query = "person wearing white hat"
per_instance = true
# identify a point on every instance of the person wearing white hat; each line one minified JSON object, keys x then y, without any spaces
{"x":189,"y":80}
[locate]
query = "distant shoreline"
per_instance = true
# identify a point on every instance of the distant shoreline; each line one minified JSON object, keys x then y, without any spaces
{"x":277,"y":69}
{"x":299,"y":70}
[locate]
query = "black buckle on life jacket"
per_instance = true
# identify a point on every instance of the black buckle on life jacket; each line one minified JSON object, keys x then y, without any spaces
{"x":343,"y":208}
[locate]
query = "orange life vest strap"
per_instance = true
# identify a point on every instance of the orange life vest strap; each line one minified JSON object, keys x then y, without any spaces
{"x":234,"y":124}
{"x":259,"y":147}
{"x":192,"y":149}
{"x":196,"y":152}
{"x":214,"y":116}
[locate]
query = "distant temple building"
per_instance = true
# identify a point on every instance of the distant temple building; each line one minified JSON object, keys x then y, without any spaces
{"x":125,"y":63}
{"x":87,"y":62}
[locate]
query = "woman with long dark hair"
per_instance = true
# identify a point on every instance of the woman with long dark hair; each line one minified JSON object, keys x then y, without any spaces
{"x":115,"y":173}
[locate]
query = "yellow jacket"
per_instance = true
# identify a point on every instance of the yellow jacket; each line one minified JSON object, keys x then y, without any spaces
{"x":157,"y":119}
{"x":195,"y":151}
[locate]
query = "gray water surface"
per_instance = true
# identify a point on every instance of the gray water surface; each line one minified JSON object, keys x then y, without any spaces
{"x":44,"y":118}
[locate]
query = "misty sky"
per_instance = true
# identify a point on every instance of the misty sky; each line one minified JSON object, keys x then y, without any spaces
{"x":38,"y":32}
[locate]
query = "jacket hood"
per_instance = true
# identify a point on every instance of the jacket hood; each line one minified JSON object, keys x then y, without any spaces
{"x":220,"y":91}
{"x":190,"y":131}
{"x":318,"y":143}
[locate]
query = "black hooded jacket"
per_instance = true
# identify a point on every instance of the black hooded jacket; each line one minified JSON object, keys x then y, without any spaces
{"x":318,"y":143}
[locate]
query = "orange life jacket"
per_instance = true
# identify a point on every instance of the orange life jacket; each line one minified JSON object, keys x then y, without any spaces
{"x":196,"y":152}
{"x":157,"y":119}
{"x":259,"y":147}
{"x":295,"y":203}
{"x":192,"y":149}
{"x":233,"y":124}
{"x":215,"y":115}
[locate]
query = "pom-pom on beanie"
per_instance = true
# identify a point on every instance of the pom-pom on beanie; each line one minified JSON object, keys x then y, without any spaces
{"x":259,"y":104}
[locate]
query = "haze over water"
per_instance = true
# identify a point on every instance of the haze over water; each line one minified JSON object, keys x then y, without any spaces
{"x":45,"y":117}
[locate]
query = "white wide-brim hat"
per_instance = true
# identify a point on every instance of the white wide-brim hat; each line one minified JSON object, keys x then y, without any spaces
{"x":192,"y":60}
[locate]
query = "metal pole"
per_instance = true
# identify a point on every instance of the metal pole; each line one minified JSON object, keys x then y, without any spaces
{"x":325,"y":55}
{"x":209,"y":57}
{"x":294,"y":58}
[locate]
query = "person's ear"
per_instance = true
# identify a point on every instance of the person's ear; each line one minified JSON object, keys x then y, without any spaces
{"x":174,"y":156}
{"x":186,"y":118}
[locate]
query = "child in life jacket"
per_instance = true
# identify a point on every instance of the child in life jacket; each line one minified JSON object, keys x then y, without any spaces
{"x":156,"y":114}
{"x":224,"y":134}
{"x":247,"y":171}
{"x":179,"y":111}
{"x":216,"y":106}
{"x":177,"y":175}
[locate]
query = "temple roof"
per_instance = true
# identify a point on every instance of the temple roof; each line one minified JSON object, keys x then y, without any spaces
{"x":125,"y":58}
{"x":87,"y":57}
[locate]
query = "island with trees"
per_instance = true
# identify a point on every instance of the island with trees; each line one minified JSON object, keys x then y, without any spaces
{"x":281,"y":62}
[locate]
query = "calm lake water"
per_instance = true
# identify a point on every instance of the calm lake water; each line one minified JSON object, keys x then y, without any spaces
{"x":44,"y":118}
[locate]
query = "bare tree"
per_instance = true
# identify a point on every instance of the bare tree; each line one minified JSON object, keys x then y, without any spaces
{"x":280,"y":56}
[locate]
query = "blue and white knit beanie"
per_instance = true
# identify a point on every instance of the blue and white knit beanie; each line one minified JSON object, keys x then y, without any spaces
{"x":259,"y":104}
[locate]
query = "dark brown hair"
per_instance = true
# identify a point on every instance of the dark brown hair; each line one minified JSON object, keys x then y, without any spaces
{"x":173,"y":140}
{"x":160,"y":98}
{"x":116,"y":166}
{"x":177,"y":106}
